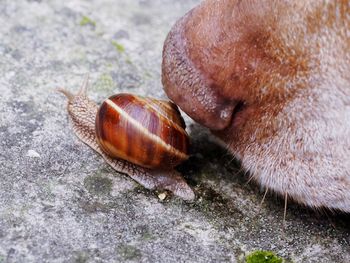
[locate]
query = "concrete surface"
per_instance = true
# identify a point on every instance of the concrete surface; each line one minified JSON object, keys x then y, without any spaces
{"x":59,"y":202}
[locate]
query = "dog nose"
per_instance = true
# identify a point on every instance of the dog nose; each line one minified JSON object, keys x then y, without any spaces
{"x":193,"y":92}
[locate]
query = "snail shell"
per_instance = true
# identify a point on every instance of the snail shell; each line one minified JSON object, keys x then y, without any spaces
{"x":145,"y":131}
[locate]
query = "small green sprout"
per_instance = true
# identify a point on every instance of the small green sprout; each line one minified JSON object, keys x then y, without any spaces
{"x":263,"y":257}
{"x":119,"y":47}
{"x":85,"y":20}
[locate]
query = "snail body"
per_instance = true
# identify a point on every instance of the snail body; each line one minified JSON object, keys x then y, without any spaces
{"x":142,"y":137}
{"x":145,"y":131}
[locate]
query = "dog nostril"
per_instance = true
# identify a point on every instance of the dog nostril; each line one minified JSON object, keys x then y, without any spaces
{"x":239,"y":107}
{"x":225,"y":114}
{"x":217,"y":118}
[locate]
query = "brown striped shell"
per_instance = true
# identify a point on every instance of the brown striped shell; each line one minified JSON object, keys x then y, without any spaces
{"x":145,"y":131}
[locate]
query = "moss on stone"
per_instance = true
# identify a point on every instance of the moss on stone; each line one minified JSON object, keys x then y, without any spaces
{"x":128,"y":61}
{"x":147,"y":236}
{"x":81,"y":258}
{"x":105,"y":83}
{"x":129,"y":252}
{"x":263,"y":257}
{"x":119,"y":47}
{"x":85,"y":20}
{"x":98,"y":185}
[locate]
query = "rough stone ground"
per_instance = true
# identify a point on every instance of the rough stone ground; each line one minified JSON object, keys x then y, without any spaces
{"x":59,"y":202}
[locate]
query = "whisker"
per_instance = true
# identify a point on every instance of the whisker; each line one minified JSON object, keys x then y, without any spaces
{"x":263,"y":199}
{"x":331,"y":222}
{"x":285,"y":211}
{"x":249,"y":180}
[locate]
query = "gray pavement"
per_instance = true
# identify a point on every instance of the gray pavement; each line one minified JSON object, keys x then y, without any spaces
{"x":59,"y":202}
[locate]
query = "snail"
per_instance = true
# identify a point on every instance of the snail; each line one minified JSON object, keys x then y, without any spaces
{"x":144,"y":138}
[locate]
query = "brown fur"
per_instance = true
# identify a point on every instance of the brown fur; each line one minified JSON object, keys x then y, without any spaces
{"x":286,"y":63}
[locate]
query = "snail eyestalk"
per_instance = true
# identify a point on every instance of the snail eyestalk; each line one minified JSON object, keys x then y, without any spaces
{"x":83,"y":88}
{"x":68,"y":94}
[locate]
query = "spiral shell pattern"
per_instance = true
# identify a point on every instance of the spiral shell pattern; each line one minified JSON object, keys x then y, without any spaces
{"x":145,"y":131}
